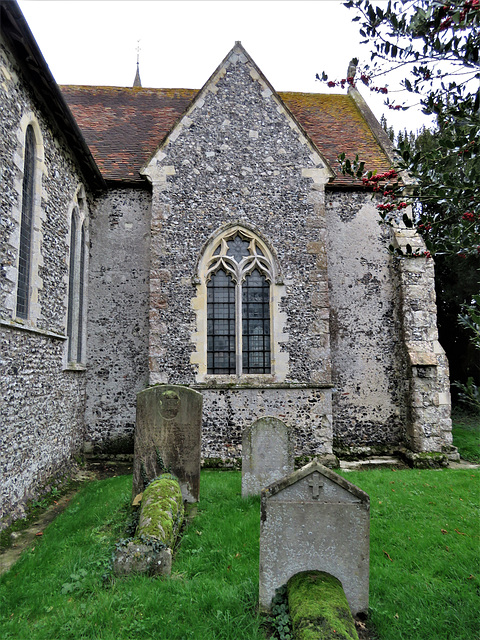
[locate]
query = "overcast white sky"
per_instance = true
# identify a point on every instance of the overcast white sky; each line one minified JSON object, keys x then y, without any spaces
{"x":182,"y":42}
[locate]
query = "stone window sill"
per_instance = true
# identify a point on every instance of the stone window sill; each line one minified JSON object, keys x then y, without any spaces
{"x":75,"y":366}
{"x":22,"y":326}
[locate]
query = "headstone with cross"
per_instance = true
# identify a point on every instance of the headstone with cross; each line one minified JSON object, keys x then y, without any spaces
{"x":314,"y":519}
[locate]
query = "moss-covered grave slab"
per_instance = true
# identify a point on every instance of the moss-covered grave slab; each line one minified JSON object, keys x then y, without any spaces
{"x":318,"y":607}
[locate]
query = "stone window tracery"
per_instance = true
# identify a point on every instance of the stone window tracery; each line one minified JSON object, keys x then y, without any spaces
{"x":239,"y":277}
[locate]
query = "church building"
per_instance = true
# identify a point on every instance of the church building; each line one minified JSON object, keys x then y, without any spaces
{"x":204,"y":238}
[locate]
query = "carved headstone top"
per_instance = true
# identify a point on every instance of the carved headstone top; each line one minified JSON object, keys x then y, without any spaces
{"x":315,"y":483}
{"x":167,"y":437}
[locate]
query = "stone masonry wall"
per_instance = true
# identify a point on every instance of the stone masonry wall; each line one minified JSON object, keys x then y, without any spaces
{"x":429,"y":425}
{"x":368,"y":360}
{"x":237,"y":157}
{"x":227,"y":412}
{"x":41,"y":416}
{"x":41,"y":404}
{"x":117,"y":365}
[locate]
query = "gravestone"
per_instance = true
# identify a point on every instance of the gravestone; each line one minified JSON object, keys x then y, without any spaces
{"x":315,"y":520}
{"x":168,"y":437}
{"x":267,"y":454}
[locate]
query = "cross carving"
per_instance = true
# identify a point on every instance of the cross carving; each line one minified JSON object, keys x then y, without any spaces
{"x":315,"y":482}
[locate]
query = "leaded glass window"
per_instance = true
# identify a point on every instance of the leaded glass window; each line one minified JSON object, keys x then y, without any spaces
{"x":26,"y":225}
{"x":255,"y":324}
{"x":81,"y":292}
{"x":221,"y":324}
{"x":239,"y":276}
{"x":71,"y":286}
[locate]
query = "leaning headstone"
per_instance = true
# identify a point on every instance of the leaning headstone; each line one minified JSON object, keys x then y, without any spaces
{"x":267,"y":454}
{"x":161,"y":516}
{"x":168,"y":438}
{"x":315,"y":520}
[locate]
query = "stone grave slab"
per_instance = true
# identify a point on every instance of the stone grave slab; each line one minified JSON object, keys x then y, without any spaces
{"x":315,"y":520}
{"x":267,"y":454}
{"x":168,"y":432}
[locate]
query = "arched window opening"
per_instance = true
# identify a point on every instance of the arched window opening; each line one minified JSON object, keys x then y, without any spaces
{"x":81,"y":294}
{"x":77,"y":286}
{"x":26,"y":225}
{"x":71,"y":286}
{"x":239,"y":278}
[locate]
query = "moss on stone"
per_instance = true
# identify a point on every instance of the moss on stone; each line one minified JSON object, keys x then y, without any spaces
{"x":162,"y":511}
{"x":318,"y":607}
{"x":427,"y":459}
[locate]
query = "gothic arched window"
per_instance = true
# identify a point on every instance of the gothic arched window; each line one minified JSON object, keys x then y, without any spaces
{"x":26,"y":225}
{"x":239,"y":276}
{"x":77,"y":283}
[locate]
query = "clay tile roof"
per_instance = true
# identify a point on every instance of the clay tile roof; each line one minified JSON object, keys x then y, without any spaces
{"x":336,"y":125}
{"x":124,"y":126}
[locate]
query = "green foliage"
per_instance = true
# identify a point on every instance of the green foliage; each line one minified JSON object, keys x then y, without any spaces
{"x":436,"y":45}
{"x":470,"y":319}
{"x":469,"y":393}
{"x":279,"y":619}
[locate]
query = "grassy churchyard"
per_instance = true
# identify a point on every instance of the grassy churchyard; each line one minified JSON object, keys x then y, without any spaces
{"x":424,"y":564}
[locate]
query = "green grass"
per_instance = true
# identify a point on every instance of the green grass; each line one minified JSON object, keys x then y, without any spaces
{"x":426,"y":587}
{"x":424,"y":553}
{"x":466,"y":435}
{"x":56,"y":589}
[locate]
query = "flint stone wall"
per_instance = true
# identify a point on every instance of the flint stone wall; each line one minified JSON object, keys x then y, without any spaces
{"x":237,"y":158}
{"x":227,"y":412}
{"x":117,"y":317}
{"x":41,"y":404}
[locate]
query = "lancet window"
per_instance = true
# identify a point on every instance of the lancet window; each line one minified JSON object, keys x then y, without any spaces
{"x":26,"y":226}
{"x":77,"y":283}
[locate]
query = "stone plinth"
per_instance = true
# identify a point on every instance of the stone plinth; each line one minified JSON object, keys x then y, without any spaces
{"x":267,"y":454}
{"x":315,"y":520}
{"x":167,"y":437}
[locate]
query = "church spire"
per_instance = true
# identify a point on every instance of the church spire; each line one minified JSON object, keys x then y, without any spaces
{"x":137,"y":82}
